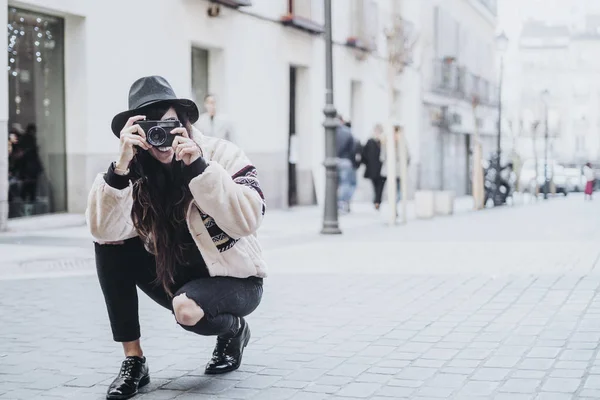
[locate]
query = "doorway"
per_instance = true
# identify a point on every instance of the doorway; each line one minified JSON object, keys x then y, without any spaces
{"x":292,"y":154}
{"x":469,"y":166}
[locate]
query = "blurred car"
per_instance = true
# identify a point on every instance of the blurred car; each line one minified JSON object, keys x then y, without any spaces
{"x":575,"y":179}
{"x":556,"y":176}
{"x":527,"y":177}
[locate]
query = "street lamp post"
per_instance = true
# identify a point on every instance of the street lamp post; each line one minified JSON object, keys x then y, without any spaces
{"x":501,"y":45}
{"x":545,"y":95}
{"x":330,"y":215}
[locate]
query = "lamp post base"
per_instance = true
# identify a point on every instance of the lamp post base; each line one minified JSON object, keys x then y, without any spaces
{"x":331,"y":229}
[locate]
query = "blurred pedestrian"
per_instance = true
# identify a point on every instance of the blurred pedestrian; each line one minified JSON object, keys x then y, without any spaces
{"x":215,"y":124}
{"x":590,"y":178}
{"x":371,"y":157}
{"x":346,"y":160}
{"x":27,"y":166}
{"x":396,"y":163}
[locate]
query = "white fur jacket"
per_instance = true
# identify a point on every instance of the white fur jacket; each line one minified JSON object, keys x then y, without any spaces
{"x":227,"y":209}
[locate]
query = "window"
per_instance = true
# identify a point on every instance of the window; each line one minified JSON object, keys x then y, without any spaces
{"x":300,"y":8}
{"x":364,"y":24}
{"x":37,"y":156}
{"x":200,"y":87}
{"x":302,"y":15}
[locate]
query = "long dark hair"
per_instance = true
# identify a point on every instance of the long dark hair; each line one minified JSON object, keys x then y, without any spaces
{"x":160,"y":202}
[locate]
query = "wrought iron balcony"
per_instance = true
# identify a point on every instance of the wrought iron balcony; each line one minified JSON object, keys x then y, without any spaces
{"x":453,"y":80}
{"x":445,"y":76}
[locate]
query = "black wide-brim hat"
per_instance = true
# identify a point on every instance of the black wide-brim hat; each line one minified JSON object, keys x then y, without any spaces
{"x":148,"y":91}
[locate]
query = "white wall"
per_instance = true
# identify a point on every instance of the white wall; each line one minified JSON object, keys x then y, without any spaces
{"x":249,"y":63}
{"x":442,"y":159}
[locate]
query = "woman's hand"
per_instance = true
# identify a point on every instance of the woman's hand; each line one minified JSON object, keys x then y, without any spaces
{"x":131,"y":135}
{"x":185,"y":149}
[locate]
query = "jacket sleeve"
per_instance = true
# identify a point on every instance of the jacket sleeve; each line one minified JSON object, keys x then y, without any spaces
{"x":108,"y":213}
{"x":236,"y":203}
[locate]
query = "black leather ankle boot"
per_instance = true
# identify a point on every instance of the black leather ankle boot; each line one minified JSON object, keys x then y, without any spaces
{"x":133,"y":375}
{"x":228,"y":352}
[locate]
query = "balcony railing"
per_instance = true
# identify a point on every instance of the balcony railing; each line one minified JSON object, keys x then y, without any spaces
{"x":456,"y":81}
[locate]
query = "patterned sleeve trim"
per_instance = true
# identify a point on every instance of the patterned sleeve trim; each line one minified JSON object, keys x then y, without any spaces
{"x":248,"y":176}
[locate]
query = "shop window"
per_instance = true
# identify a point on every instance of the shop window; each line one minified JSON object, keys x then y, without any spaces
{"x":37,"y":160}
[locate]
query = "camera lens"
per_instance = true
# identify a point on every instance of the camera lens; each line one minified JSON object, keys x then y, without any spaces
{"x":156,"y":136}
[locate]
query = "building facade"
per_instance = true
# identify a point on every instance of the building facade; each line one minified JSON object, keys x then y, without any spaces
{"x":560,"y":59}
{"x":70,"y":64}
{"x":553,"y":49}
{"x":457,"y":65}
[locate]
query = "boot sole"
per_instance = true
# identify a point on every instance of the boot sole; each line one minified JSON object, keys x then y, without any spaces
{"x":143,"y":382}
{"x":224,"y":371}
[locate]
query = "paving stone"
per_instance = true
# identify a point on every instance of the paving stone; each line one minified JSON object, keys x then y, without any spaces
{"x":258,"y":382}
{"x":309,"y":396}
{"x":435,"y":392}
{"x":592,"y":393}
{"x":513,"y":396}
{"x":447,"y":381}
{"x":515,"y":385}
{"x":396,"y":392}
{"x":474,"y":388}
{"x":562,"y":385}
{"x":360,"y":390}
{"x":592,"y":382}
{"x":335,"y":380}
{"x":211,"y":386}
{"x":373,"y":378}
{"x":306,"y":374}
{"x":161,"y":395}
{"x":554,"y":396}
{"x":571,"y":365}
{"x":577,"y":355}
{"x":240,"y":393}
{"x":544,"y":352}
{"x":539,"y":364}
{"x":191,"y":382}
{"x":291,"y":384}
{"x":352,"y":370}
{"x":274,"y":393}
{"x":528,"y":374}
{"x":567,"y":373}
{"x":409,"y":383}
{"x":328,"y":389}
{"x":416,"y":373}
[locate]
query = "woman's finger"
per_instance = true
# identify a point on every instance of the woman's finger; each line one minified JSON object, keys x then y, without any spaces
{"x":133,"y":120}
{"x":139,"y":130}
{"x":180,"y":148}
{"x":137,"y":141}
{"x":188,"y":150}
{"x":144,"y":144}
{"x":180,"y":131}
{"x":179,"y":140}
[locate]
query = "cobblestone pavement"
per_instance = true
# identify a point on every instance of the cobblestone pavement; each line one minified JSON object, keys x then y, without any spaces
{"x":503,"y":304}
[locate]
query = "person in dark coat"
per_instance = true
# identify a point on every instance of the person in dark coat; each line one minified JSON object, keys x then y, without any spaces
{"x":371,"y":157}
{"x":28,"y":165}
{"x":346,"y":156}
